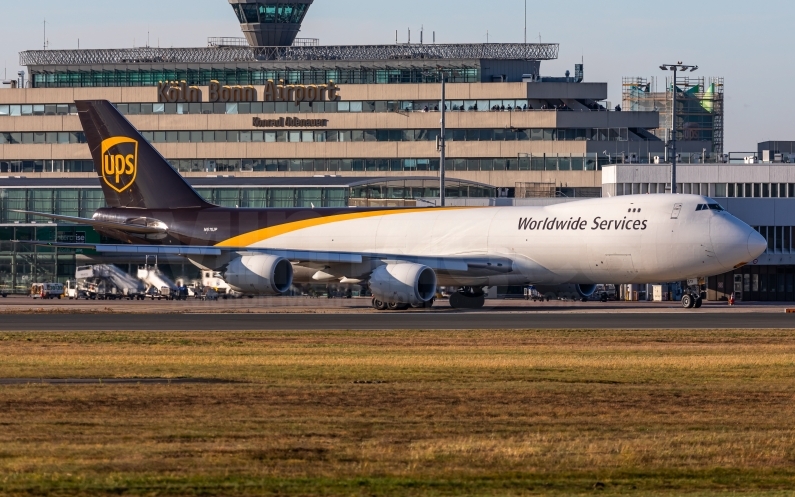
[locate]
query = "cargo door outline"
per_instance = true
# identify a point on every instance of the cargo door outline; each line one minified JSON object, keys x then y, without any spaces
{"x":677,"y":210}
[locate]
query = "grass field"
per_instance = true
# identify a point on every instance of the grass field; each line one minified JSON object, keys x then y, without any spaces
{"x":401,"y":413}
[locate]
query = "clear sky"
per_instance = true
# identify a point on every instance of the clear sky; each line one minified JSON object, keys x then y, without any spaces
{"x":747,"y":43}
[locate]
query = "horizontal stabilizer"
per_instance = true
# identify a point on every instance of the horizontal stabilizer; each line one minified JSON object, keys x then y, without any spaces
{"x":127,"y":228}
{"x":129,"y":249}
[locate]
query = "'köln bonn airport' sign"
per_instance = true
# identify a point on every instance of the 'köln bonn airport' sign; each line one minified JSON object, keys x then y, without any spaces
{"x":180,"y":92}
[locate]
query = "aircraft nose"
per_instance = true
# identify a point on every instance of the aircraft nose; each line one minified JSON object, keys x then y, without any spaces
{"x":756,"y":244}
{"x":734,"y":242}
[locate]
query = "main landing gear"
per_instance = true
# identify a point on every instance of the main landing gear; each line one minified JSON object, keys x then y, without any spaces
{"x":394,"y":306}
{"x":471,"y":298}
{"x":468,"y":298}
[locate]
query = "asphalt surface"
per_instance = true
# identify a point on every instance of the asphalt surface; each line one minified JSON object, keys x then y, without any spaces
{"x":397,"y":321}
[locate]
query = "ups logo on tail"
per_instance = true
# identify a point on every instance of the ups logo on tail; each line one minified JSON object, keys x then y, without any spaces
{"x":119,"y":162}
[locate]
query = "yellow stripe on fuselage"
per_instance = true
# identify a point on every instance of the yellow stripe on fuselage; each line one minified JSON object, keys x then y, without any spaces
{"x":252,"y":237}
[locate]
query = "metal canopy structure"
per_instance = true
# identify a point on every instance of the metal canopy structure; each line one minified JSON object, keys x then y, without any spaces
{"x":219,"y":55}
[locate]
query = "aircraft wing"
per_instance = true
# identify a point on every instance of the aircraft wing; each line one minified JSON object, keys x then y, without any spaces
{"x":138,"y":229}
{"x":443,"y":264}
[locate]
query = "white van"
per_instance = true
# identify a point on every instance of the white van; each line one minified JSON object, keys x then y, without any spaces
{"x":46,"y":290}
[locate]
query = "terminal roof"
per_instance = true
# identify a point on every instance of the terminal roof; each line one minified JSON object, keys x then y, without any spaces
{"x":210,"y":55}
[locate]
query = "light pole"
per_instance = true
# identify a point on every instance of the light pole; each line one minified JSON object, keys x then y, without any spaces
{"x":441,"y":145}
{"x":675,"y":68}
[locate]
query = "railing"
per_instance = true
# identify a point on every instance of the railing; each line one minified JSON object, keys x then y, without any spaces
{"x":228,"y":41}
{"x":490,"y":51}
{"x":306,"y":42}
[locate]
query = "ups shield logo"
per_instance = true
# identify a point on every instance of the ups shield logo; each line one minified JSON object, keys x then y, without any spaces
{"x":119,"y":162}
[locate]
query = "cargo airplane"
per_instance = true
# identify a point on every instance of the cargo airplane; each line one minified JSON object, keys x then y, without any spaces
{"x":404,"y":254}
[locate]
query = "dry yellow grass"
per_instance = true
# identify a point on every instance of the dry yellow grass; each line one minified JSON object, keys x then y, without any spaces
{"x":401,"y":413}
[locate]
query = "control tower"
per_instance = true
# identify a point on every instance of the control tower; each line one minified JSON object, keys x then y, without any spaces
{"x":270,"y":23}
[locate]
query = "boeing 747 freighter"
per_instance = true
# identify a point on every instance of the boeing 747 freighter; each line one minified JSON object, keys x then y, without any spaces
{"x":404,"y":254}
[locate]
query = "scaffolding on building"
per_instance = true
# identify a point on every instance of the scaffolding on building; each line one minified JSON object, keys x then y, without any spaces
{"x":535,"y":190}
{"x":699,"y":107}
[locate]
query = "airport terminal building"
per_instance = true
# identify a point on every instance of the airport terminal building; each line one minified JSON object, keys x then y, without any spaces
{"x":277,"y":121}
{"x":257,"y":122}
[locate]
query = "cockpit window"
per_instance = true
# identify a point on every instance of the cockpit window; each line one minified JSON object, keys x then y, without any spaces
{"x":709,"y":207}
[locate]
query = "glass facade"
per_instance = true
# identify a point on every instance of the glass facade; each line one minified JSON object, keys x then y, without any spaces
{"x":276,"y":197}
{"x":361,"y":106}
{"x":247,"y":76}
{"x":82,"y":202}
{"x":585,"y":162}
{"x":779,"y":238}
{"x":22,"y":265}
{"x":347,"y":135}
{"x":751,"y":283}
{"x":590,"y":162}
{"x":270,"y":13}
{"x":41,"y":137}
{"x":46,"y":166}
{"x":716,"y":190}
{"x":392,"y":135}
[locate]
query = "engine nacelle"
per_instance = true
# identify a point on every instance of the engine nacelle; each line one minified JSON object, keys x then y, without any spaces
{"x":403,"y":283}
{"x":260,"y":275}
{"x":569,"y":291}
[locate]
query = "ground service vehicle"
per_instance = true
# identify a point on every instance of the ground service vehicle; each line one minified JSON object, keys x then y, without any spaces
{"x":404,"y":254}
{"x":72,"y":291}
{"x":47,"y":290}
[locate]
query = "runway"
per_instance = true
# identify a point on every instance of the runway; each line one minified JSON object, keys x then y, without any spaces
{"x":395,"y":321}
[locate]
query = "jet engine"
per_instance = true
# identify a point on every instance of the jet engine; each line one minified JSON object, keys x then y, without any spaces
{"x":260,"y":274}
{"x":570,"y":291}
{"x":403,"y":283}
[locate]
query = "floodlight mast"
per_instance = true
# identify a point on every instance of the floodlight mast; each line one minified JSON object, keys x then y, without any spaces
{"x":442,"y":145}
{"x":675,"y":68}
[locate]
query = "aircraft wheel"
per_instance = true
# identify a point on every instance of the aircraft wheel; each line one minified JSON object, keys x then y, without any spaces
{"x":460,"y":300}
{"x":698,"y":303}
{"x":379,"y":305}
{"x":688,"y":301}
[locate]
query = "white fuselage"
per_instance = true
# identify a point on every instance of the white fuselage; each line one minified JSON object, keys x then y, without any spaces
{"x":628,"y":239}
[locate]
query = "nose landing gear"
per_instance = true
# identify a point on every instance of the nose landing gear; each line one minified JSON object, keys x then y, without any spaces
{"x":692,"y":299}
